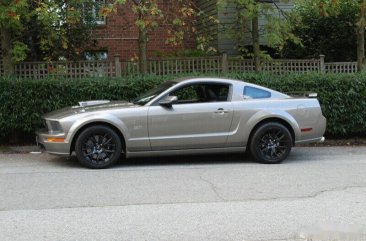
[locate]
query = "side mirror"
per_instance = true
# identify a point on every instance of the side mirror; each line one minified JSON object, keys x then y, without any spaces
{"x":168,"y":101}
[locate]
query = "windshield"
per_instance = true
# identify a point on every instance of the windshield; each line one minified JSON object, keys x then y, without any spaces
{"x":151,"y":94}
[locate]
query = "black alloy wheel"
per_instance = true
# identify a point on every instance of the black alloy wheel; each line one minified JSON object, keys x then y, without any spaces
{"x":271,"y":143}
{"x":98,"y":147}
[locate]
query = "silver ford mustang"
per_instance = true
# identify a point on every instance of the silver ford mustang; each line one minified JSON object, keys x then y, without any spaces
{"x":186,"y":116}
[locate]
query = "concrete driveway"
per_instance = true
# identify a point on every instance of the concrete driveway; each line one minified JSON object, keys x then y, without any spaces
{"x":318,"y":193}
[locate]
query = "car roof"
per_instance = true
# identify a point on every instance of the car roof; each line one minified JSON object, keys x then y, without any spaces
{"x":198,"y":79}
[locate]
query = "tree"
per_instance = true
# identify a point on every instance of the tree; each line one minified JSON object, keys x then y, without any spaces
{"x":43,"y":29}
{"x":361,"y":24}
{"x":333,"y":35}
{"x":335,"y":8}
{"x":275,"y":32}
{"x":63,"y":28}
{"x":12,"y":12}
{"x":149,"y":15}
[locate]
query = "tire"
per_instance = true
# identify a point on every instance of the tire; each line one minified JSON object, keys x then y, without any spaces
{"x":271,"y":143}
{"x":98,"y":147}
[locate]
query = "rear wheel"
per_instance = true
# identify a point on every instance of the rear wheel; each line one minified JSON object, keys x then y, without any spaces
{"x":271,"y":143}
{"x":98,"y":147}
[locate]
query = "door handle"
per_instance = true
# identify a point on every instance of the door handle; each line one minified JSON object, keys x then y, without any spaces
{"x":221,"y":111}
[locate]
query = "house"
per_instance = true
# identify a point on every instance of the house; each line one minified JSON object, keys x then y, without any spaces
{"x":221,"y":33}
{"x":117,"y":35}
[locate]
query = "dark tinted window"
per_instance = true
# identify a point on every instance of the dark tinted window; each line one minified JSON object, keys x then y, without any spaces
{"x":201,"y":92}
{"x":151,"y":94}
{"x":256,"y":93}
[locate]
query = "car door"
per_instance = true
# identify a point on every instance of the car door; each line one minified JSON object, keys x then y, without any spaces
{"x":201,"y":118}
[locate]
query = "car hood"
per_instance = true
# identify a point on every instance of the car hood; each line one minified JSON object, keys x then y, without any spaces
{"x":74,"y":110}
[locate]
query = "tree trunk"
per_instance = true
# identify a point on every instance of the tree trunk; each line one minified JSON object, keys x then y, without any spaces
{"x":5,"y":36}
{"x":256,"y":46}
{"x":142,"y":51}
{"x":361,"y":36}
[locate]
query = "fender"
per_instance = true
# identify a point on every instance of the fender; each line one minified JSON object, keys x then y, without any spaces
{"x":106,"y":118}
{"x":241,"y":134}
{"x":268,"y":114}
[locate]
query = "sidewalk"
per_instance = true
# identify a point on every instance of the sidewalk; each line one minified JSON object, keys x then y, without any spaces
{"x":18,"y":149}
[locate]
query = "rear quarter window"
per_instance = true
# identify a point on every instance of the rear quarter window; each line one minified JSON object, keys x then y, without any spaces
{"x":256,"y":93}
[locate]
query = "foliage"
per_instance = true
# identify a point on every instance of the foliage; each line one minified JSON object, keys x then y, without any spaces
{"x":179,"y":18}
{"x":63,"y":28}
{"x":342,"y":96}
{"x":333,"y":8}
{"x":19,"y":51}
{"x":275,"y":32}
{"x":45,"y":30}
{"x":324,"y":29}
{"x":12,"y":15}
{"x":11,"y":12}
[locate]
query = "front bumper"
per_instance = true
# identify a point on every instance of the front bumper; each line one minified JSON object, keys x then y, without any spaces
{"x":56,"y":148}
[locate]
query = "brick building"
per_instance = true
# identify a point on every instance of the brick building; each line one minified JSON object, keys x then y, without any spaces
{"x":117,"y":34}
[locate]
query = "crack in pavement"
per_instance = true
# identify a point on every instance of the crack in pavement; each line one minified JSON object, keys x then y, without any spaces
{"x":283,"y":239}
{"x":312,"y":195}
{"x":222,"y":200}
{"x":213,"y":187}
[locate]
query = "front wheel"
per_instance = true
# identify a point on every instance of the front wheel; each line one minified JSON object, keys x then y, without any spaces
{"x":271,"y":143}
{"x":98,"y":147}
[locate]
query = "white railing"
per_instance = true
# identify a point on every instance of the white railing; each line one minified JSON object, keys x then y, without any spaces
{"x":79,"y":69}
{"x":291,"y":66}
{"x":241,"y":65}
{"x":212,"y":64}
{"x":282,"y":66}
{"x":341,"y":67}
{"x":185,"y":65}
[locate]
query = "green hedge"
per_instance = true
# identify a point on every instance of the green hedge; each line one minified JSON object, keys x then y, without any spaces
{"x":343,"y":97}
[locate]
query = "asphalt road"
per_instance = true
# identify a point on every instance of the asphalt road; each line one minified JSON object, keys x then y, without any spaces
{"x":318,"y":193}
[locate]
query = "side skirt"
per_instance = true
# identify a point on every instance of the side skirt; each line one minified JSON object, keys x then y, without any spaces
{"x":316,"y":140}
{"x":185,"y":152}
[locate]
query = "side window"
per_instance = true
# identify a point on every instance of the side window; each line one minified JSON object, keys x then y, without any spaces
{"x":199,"y":93}
{"x":223,"y":93}
{"x":187,"y":94}
{"x":256,"y":93}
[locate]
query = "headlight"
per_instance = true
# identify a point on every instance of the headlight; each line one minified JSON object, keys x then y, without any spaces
{"x":55,"y":126}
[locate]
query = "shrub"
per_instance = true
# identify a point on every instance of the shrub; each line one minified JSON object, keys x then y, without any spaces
{"x":332,"y":34}
{"x":342,"y":97}
{"x":23,"y":102}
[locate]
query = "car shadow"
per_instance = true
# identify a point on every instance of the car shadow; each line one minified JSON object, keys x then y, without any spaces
{"x":186,"y":160}
{"x":183,"y":160}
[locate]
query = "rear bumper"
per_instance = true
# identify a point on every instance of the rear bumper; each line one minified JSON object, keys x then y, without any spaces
{"x":56,"y":148}
{"x":316,"y":134}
